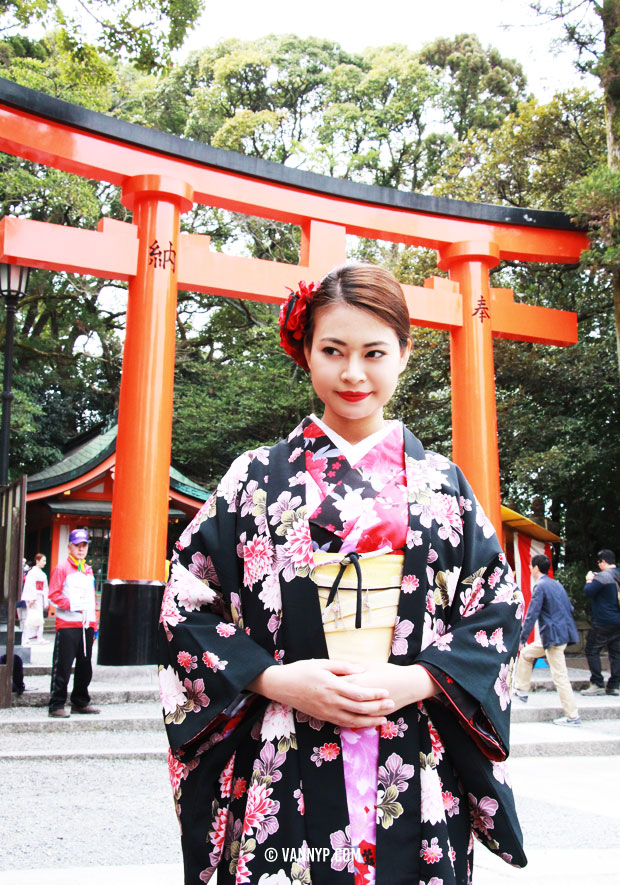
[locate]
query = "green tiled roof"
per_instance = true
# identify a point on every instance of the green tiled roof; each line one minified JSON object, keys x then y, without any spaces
{"x":78,"y":507}
{"x":79,"y":461}
{"x":90,"y":454}
{"x":184,"y":485}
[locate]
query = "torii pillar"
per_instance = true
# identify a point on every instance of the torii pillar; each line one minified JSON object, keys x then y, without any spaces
{"x":474,"y":412}
{"x":144,"y":421}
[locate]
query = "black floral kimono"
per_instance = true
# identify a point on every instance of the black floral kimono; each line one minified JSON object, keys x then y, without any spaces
{"x":259,"y":788}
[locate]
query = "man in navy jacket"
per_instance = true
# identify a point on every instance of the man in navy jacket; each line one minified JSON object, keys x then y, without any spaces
{"x":603,"y":592}
{"x":551,"y":610}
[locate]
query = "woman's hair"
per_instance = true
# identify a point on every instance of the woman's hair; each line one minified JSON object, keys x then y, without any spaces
{"x":39,"y":557}
{"x":366,"y":287}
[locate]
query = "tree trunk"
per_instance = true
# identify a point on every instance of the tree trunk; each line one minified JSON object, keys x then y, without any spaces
{"x":616,"y":288}
{"x":609,"y":73}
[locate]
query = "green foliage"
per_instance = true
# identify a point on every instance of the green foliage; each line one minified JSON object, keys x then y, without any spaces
{"x":242,"y":389}
{"x":595,"y":200}
{"x":480,"y":87}
{"x":558,"y":415}
{"x":145,"y":32}
{"x":369,"y":117}
{"x":260,"y":98}
{"x":572,"y":576}
{"x":592,"y":27}
{"x":533,"y":158}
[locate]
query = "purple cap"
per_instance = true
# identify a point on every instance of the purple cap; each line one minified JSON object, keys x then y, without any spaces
{"x":78,"y":536}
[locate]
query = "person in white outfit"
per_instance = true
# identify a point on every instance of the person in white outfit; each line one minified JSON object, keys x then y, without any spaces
{"x":35,"y":595}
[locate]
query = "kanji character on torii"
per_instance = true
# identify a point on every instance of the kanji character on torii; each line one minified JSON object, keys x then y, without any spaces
{"x":161,"y":176}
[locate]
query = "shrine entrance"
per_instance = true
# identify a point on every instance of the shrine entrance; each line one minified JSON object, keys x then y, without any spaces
{"x":161,"y":176}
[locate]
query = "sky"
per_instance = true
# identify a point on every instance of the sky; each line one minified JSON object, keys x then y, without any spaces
{"x":507,"y":24}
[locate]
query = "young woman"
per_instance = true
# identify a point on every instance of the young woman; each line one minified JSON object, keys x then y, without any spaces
{"x":35,"y":595}
{"x":338,"y":636}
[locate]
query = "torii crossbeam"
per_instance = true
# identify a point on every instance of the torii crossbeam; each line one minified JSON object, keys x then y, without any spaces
{"x":161,"y":176}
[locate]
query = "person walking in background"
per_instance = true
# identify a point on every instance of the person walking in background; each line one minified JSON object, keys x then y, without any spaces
{"x":35,"y":595}
{"x":551,"y":610}
{"x":72,"y":590}
{"x":603,"y":591}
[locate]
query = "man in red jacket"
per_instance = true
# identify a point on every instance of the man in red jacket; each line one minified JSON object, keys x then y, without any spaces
{"x":72,"y":590}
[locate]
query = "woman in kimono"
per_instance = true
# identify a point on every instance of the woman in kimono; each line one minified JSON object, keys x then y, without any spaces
{"x":338,"y":636}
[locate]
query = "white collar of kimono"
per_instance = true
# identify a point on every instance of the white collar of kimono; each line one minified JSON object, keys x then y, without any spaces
{"x":355,"y":452}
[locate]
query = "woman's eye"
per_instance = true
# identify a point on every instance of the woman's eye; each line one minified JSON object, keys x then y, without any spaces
{"x":375,"y":354}
{"x":331,"y":351}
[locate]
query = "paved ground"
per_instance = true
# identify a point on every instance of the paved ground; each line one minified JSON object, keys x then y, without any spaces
{"x":119,"y":827}
{"x":94,"y":820}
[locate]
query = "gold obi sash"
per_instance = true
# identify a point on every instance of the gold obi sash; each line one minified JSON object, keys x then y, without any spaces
{"x":380,"y":581}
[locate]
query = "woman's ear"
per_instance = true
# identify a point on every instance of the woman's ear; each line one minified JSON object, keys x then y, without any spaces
{"x":404,"y":356}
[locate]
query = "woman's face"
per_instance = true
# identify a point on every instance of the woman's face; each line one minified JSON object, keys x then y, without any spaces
{"x":355,"y":360}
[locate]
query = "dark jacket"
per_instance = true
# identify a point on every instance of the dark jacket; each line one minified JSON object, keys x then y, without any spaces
{"x":603,"y":595}
{"x":552,"y":608}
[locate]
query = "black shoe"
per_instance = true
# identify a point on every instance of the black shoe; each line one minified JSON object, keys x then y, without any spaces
{"x":87,"y":709}
{"x":613,"y":691}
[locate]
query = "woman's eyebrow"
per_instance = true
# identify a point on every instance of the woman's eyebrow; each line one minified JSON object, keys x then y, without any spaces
{"x":344,"y":343}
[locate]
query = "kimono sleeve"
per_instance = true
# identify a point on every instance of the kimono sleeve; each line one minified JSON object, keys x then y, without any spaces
{"x":471,"y":653}
{"x":206,"y":657}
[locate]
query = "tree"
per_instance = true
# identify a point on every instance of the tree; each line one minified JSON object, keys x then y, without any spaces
{"x":146,"y":32}
{"x":480,"y":87}
{"x":241,"y":387}
{"x":67,"y":344}
{"x":533,"y":158}
{"x":592,"y":27}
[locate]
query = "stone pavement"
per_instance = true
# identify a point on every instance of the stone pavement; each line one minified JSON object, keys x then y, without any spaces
{"x":109,"y":815}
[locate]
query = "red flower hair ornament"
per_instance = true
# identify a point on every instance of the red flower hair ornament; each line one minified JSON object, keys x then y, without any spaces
{"x":293,"y":321}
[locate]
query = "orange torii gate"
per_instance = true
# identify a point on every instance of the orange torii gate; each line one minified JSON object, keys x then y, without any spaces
{"x":161,"y":176}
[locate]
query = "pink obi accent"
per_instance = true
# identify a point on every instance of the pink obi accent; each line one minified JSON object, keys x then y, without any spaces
{"x":360,"y":759}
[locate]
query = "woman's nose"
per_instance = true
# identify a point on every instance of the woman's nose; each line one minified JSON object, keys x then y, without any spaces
{"x":353,"y":371}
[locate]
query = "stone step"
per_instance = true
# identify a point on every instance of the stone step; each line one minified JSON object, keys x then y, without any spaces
{"x":141,"y":717}
{"x":581,"y":662}
{"x":592,"y":738}
{"x":162,"y":755}
{"x":130,"y":731}
{"x":579,"y":678}
{"x":135,"y":731}
{"x":56,"y":745}
{"x":144,"y":673}
{"x":99,"y":695}
{"x":544,"y":705}
{"x":24,"y":651}
{"x":110,"y":685}
{"x":38,"y":670}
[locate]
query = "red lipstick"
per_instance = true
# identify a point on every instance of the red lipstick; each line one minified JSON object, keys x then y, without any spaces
{"x":352,"y":396}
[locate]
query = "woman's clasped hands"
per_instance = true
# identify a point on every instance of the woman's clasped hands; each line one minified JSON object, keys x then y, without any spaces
{"x":343,"y":693}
